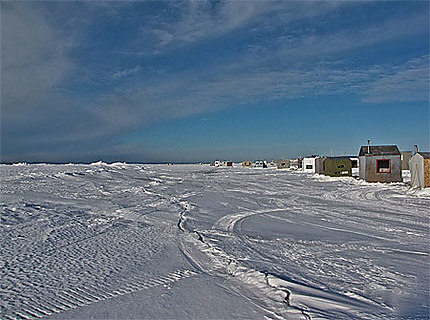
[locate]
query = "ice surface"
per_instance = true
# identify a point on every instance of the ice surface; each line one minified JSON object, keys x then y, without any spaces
{"x":128,"y":241}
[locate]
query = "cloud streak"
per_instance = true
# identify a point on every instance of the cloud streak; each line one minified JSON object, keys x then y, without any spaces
{"x":406,"y":83}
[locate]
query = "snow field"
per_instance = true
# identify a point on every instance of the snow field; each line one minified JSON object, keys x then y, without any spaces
{"x":285,"y":245}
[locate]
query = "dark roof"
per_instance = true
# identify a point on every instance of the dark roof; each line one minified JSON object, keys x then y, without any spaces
{"x":425,"y":154}
{"x":340,"y":158}
{"x":379,"y":151}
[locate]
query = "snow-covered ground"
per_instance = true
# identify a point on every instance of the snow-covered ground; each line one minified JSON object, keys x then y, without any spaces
{"x":125,"y":241}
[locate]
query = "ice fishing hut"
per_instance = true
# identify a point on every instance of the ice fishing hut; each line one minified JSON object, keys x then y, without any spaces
{"x":247,"y":164}
{"x":216,"y":163}
{"x":380,"y":164}
{"x":319,"y":165}
{"x":420,"y":169}
{"x":354,"y":166}
{"x":296,"y":163}
{"x":260,"y":164}
{"x":338,"y":167}
{"x":226,"y":163}
{"x":308,"y":164}
{"x":283,"y":163}
{"x":405,"y":157}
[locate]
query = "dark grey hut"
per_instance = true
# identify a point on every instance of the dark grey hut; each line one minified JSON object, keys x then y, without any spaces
{"x":380,"y":164}
{"x":405,"y":156}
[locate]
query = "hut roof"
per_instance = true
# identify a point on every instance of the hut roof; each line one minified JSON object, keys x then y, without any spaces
{"x":312,"y":156}
{"x":425,"y":155}
{"x":379,"y":151}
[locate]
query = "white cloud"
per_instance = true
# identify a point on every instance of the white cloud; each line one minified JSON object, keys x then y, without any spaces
{"x":34,"y":60}
{"x":123,"y":73}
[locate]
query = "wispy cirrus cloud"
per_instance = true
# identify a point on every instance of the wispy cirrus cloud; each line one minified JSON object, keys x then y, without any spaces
{"x":123,"y":73}
{"x":404,"y":83}
{"x":189,"y":22}
{"x":198,"y":94}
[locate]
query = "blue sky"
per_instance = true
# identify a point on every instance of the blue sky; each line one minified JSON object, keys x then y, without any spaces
{"x":196,"y":81}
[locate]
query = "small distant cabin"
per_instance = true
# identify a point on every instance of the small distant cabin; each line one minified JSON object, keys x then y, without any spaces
{"x":225,"y":163}
{"x":260,"y":164}
{"x":338,"y":167}
{"x":216,"y":163}
{"x":405,"y":156}
{"x":247,"y":164}
{"x":308,"y":164}
{"x":283,"y":164}
{"x":380,"y":164}
{"x":354,"y":166}
{"x":272,"y":164}
{"x":420,"y":170}
{"x":296,"y":163}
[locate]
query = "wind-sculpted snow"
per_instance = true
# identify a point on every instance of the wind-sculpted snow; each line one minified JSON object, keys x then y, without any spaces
{"x":268,"y":243}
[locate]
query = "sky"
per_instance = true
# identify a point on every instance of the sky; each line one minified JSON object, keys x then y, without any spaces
{"x":190,"y":81}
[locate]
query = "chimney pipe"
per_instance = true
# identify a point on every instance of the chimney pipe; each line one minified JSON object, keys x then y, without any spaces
{"x":368,"y":146}
{"x":416,"y":148}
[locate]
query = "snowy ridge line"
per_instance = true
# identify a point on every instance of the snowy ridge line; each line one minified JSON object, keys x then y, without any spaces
{"x":305,"y":299}
{"x":308,"y":299}
{"x":227,"y":265}
{"x":185,"y":207}
{"x":39,"y":307}
{"x":181,"y":221}
{"x":216,"y":261}
{"x":288,"y":300}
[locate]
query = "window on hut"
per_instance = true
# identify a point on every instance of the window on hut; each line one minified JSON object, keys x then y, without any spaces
{"x":308,"y":166}
{"x":383,"y":166}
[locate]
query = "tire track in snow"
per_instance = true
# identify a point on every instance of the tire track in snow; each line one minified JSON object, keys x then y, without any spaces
{"x":214,"y":261}
{"x":228,"y":222}
{"x":232,"y":223}
{"x":221,"y":263}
